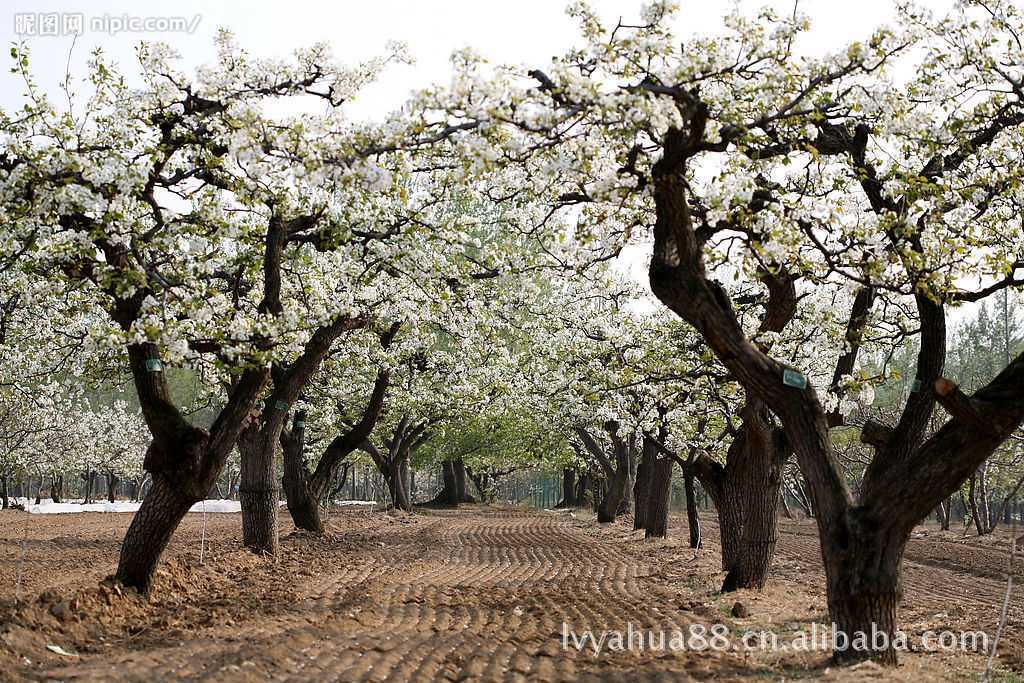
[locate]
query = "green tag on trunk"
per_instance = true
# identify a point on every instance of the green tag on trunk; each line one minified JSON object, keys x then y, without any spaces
{"x":281,"y":405}
{"x":915,"y":386}
{"x":299,"y":424}
{"x":794,"y":378}
{"x":154,"y":365}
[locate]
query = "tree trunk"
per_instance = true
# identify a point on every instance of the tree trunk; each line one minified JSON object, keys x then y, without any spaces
{"x":630,"y":463}
{"x":57,"y":488}
{"x":258,"y":491}
{"x":450,"y":492}
{"x":150,"y":531}
{"x":88,"y":486}
{"x":405,"y":476}
{"x":757,"y":542}
{"x":972,"y":497}
{"x":303,"y":503}
{"x":582,"y":496}
{"x":568,"y":489}
{"x":453,"y":490}
{"x":692,"y":519}
{"x":746,"y":495}
{"x":112,"y":481}
{"x":642,"y":485}
{"x":464,"y":496}
{"x":863,"y":594}
{"x":4,"y":493}
{"x":615,"y":491}
{"x":396,"y":484}
{"x":729,"y":502}
{"x":658,"y":498}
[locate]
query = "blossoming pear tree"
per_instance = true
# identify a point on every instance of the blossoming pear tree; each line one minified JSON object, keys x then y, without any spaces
{"x":888,"y":168}
{"x":199,"y":221}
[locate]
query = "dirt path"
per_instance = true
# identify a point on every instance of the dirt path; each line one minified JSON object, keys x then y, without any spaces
{"x":475,"y":596}
{"x":470,"y":595}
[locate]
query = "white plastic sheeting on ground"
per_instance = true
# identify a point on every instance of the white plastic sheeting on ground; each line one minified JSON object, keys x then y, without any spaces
{"x":51,"y":508}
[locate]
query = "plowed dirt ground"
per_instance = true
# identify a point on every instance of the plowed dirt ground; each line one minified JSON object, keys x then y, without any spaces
{"x":474,"y":594}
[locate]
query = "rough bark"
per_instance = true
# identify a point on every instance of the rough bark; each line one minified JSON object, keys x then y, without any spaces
{"x":658,"y":497}
{"x":258,"y":489}
{"x":756,"y":476}
{"x":862,"y":541}
{"x":303,"y":499}
{"x":642,"y":485}
{"x":150,"y":532}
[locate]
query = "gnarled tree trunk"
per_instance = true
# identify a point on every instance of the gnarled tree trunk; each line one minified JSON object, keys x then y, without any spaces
{"x":615,"y":490}
{"x":618,"y":471}
{"x":453,"y":485}
{"x":151,"y":530}
{"x":303,"y":502}
{"x":392,"y":461}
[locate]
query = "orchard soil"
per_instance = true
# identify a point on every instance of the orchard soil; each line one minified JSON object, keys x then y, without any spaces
{"x":473,"y":594}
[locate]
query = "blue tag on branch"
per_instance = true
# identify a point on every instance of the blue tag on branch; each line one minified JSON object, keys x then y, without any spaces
{"x":915,"y":386}
{"x":281,"y":405}
{"x":154,"y":365}
{"x":794,"y":378}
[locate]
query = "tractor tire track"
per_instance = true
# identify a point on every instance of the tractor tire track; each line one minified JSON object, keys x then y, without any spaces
{"x":483,"y":597}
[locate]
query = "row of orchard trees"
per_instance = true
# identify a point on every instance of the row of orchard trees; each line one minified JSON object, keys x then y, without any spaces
{"x":335,"y":287}
{"x":55,"y":428}
{"x":326,"y":285}
{"x":883,"y":177}
{"x":46,"y":441}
